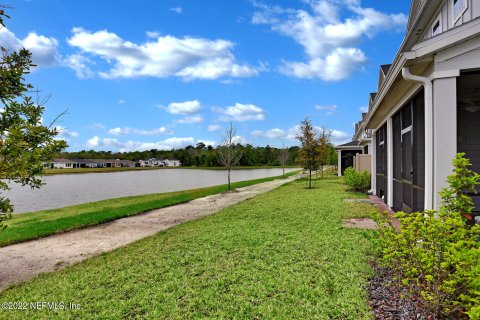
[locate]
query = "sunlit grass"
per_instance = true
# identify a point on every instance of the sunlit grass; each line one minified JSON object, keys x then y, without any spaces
{"x":32,"y":225}
{"x":280,"y":255}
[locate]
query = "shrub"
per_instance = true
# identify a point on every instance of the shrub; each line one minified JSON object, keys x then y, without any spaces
{"x":357,"y":181}
{"x":436,"y":256}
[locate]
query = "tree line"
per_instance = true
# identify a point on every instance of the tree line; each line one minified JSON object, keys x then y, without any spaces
{"x":202,"y":155}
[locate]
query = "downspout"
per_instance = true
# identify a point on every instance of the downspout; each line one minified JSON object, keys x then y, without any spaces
{"x":427,"y":84}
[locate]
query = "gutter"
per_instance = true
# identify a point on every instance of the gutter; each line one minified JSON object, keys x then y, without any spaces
{"x":427,"y":84}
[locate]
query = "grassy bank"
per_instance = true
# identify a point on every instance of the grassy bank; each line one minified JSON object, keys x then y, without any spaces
{"x":280,"y":255}
{"x":32,"y":225}
{"x":102,"y":170}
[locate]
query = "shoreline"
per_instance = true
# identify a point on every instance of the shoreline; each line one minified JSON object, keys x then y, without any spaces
{"x":51,"y":172}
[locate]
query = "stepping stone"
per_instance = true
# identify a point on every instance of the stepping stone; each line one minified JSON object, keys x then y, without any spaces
{"x":359,"y":200}
{"x":360,"y":223}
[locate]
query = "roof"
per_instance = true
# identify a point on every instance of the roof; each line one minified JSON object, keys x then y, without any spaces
{"x":84,"y":160}
{"x":350,"y":145}
{"x":61,"y":160}
{"x":385,"y":68}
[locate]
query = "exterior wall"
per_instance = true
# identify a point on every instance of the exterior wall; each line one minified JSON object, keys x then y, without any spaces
{"x":445,"y":133}
{"x":445,"y":14}
{"x":373,"y":163}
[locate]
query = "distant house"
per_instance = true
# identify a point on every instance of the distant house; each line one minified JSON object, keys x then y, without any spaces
{"x":88,"y":163}
{"x":346,"y":154}
{"x":64,"y":164}
{"x":156,"y":162}
{"x":172,"y":163}
{"x":127,"y":163}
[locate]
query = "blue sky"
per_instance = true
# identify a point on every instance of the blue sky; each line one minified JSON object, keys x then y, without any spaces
{"x":138,"y":75}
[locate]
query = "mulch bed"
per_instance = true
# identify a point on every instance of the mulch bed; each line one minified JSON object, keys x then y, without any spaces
{"x":386,"y":300}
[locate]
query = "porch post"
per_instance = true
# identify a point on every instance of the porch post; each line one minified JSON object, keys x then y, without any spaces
{"x":444,"y":133}
{"x":373,"y":151}
{"x":389,"y":162}
{"x":339,"y":164}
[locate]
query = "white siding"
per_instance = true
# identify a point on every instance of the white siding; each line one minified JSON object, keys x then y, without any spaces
{"x":445,"y":12}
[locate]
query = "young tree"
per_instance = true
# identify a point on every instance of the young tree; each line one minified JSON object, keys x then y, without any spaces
{"x":24,"y":141}
{"x":229,"y":151}
{"x":283,"y":158}
{"x":324,"y":147}
{"x":310,"y":150}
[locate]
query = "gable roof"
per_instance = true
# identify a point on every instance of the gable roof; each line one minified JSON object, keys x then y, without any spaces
{"x":385,"y":68}
{"x":350,"y":145}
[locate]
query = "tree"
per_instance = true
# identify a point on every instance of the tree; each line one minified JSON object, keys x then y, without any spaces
{"x":324,"y":147}
{"x":24,"y":141}
{"x":310,"y":149}
{"x":229,"y":152}
{"x":283,"y":158}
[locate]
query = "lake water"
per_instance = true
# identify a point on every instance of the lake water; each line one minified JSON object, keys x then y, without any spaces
{"x":71,"y":189}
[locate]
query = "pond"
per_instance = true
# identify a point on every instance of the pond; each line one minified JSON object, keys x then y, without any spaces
{"x":71,"y":189}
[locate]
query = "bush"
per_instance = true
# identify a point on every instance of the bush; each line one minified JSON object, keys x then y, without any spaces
{"x":436,"y":256}
{"x":357,"y":181}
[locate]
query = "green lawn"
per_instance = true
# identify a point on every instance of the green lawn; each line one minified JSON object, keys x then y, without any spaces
{"x":280,"y":255}
{"x":32,"y":225}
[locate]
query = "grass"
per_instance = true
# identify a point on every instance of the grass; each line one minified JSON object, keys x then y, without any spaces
{"x":103,"y":170}
{"x":33,"y":225}
{"x":280,"y":255}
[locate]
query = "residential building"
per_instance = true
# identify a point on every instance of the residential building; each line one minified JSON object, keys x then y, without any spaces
{"x":88,"y":163}
{"x":154,"y":162}
{"x":427,"y":107}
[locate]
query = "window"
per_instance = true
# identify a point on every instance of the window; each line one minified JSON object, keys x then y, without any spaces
{"x":459,"y":7}
{"x":437,"y":28}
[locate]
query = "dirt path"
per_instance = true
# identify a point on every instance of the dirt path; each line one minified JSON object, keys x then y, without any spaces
{"x":21,"y":262}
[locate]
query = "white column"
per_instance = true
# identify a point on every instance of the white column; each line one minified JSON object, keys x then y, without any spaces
{"x":373,"y":151}
{"x":339,"y":165}
{"x":444,"y":133}
{"x":389,"y":162}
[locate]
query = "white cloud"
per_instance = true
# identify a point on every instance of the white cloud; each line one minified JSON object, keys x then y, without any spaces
{"x":214,"y":127}
{"x":98,"y":126}
{"x":127,"y":130}
{"x":293,"y":132}
{"x":153,"y":34}
{"x":79,"y":63}
{"x":177,"y":10}
{"x":240,"y":112}
{"x":65,"y":133}
{"x":121,"y":101}
{"x":330,"y":43}
{"x":363,"y":109}
{"x":132,"y":145}
{"x":44,"y":49}
{"x":98,"y":143}
{"x":336,"y":136}
{"x":329,"y":109}
{"x":339,"y":137}
{"x":338,"y":65}
{"x":270,"y":134}
{"x":184,"y":108}
{"x":191,"y":119}
{"x":166,"y":56}
{"x":276,"y":133}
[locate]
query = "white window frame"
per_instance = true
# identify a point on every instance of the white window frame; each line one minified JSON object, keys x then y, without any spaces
{"x":461,"y":12}
{"x":440,"y":27}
